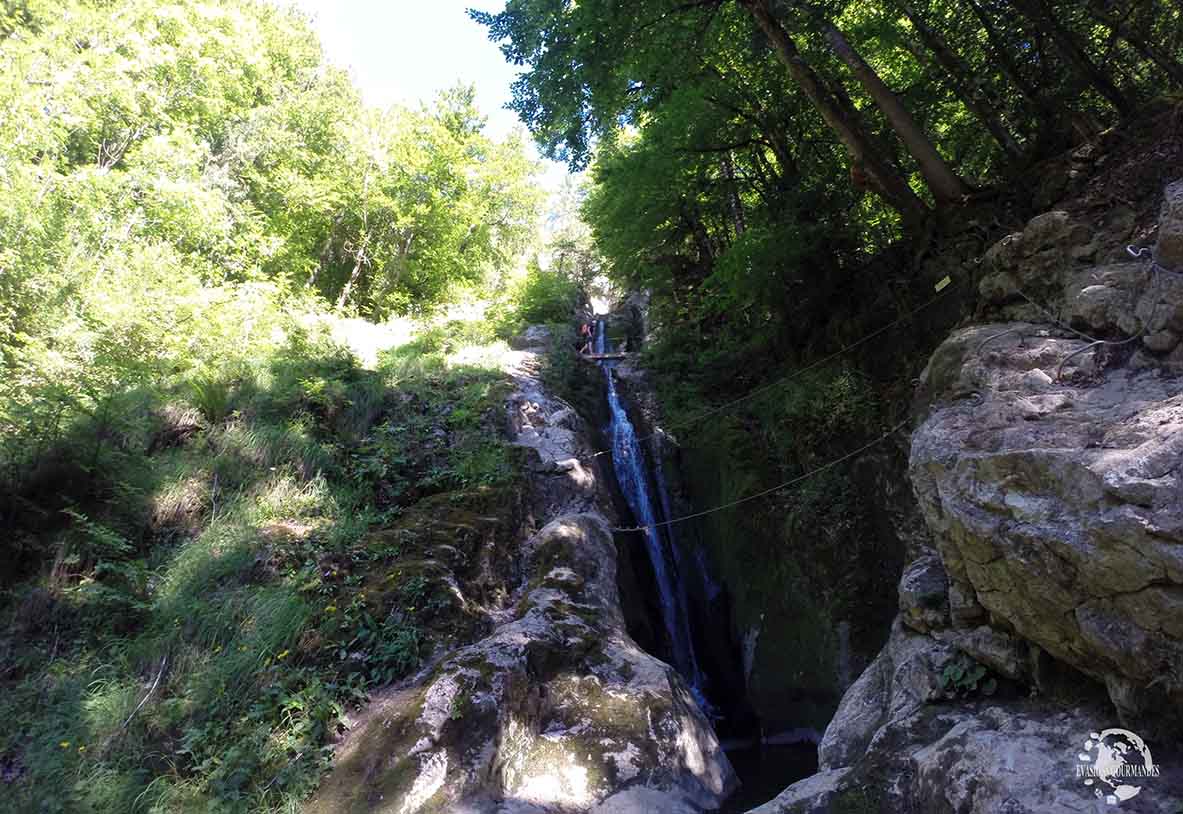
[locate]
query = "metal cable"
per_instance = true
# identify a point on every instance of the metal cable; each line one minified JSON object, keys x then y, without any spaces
{"x":686,"y":422}
{"x":1094,"y":342}
{"x":779,"y":487}
{"x":1154,"y":267}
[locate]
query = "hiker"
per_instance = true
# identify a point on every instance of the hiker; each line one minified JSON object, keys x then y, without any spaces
{"x":585,"y":331}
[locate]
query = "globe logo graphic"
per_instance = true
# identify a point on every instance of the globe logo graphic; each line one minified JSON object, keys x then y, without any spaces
{"x":1114,"y":764}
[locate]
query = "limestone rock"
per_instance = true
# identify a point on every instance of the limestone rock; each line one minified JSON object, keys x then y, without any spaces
{"x":1103,"y":298}
{"x":903,"y":678}
{"x":1060,"y":511}
{"x":1052,"y":261}
{"x":1161,"y":305}
{"x":1052,"y":230}
{"x":1001,"y":652}
{"x":1161,"y":341}
{"x":1004,"y":759}
{"x":924,"y":594}
{"x":892,"y":749}
{"x":535,"y":336}
{"x":556,"y":709}
{"x":813,"y":795}
{"x":1168,"y":251}
{"x":1004,"y":255}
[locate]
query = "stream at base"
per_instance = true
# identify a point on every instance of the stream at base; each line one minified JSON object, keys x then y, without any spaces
{"x":679,"y":591}
{"x":767,"y":771}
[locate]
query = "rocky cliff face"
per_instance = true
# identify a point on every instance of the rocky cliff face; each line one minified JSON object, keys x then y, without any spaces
{"x":1048,"y":602}
{"x":557,"y":710}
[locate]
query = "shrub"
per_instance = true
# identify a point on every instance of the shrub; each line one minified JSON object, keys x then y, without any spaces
{"x":964,"y":677}
{"x":539,"y":297}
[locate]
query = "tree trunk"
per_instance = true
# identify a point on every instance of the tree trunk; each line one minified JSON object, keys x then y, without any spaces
{"x":946,"y":186}
{"x":1066,"y":41}
{"x":1009,"y":66}
{"x":1049,"y":112}
{"x":959,"y":74}
{"x":891,"y":184}
{"x":733,"y":200}
{"x":702,"y":241}
{"x":359,"y":261}
{"x":1148,"y":50}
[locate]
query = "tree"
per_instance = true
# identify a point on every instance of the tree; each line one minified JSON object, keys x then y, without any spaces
{"x":1039,"y":13}
{"x":946,"y":186}
{"x":596,"y":65}
{"x":960,"y":77}
{"x":1121,"y":27}
{"x":180,"y":177}
{"x":1050,"y":111}
{"x":887,"y":181}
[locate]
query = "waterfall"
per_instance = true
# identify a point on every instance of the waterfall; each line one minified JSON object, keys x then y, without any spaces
{"x":639,"y":490}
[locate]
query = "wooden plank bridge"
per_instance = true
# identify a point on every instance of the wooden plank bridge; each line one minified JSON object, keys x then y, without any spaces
{"x":596,"y":357}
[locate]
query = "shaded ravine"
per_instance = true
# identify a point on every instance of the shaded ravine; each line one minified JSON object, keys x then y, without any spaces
{"x":650,"y":506}
{"x":683,"y":590}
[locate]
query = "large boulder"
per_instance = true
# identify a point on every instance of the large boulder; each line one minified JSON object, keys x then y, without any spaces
{"x":1051,"y":270}
{"x":1054,"y":500}
{"x":556,"y":709}
{"x":1036,"y":258}
{"x":897,"y":745}
{"x":1047,"y":471}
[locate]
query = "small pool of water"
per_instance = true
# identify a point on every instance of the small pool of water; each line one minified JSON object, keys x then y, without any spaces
{"x":767,"y":772}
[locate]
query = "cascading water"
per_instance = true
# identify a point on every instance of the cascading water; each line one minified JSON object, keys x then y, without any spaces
{"x":704,"y":654}
{"x":638,"y":489}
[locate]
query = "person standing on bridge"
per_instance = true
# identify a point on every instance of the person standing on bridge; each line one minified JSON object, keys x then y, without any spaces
{"x":585,"y":331}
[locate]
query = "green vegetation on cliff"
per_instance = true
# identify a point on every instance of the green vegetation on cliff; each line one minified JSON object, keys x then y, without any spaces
{"x":247,"y":560}
{"x":184,"y":185}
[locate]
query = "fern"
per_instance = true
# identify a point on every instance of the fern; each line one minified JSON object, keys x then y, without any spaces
{"x":212,"y":397}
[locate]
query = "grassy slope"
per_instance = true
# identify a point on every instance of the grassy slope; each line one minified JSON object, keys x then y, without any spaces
{"x":247,"y":558}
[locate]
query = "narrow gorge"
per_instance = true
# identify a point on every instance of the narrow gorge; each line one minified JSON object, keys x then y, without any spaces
{"x":1038,"y":603}
{"x":591,"y":407}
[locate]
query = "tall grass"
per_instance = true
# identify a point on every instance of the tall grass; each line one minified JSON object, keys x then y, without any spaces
{"x":187,"y":653}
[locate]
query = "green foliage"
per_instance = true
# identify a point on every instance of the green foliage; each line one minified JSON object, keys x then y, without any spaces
{"x":543,"y":297}
{"x":191,"y":468}
{"x":862,"y":799}
{"x":963,"y":678}
{"x":566,"y":375}
{"x":185,"y":187}
{"x":728,"y":193}
{"x":817,"y":411}
{"x":265,"y":609}
{"x":536,"y":298}
{"x":386,"y":650}
{"x":212,"y":397}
